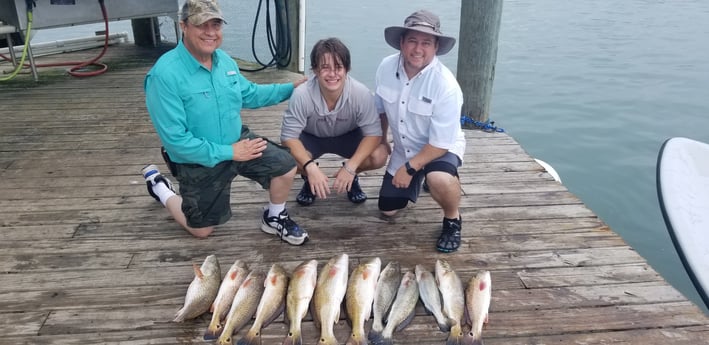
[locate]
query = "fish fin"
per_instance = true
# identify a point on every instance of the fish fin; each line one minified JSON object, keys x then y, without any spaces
{"x":198,"y":271}
{"x":406,"y":321}
{"x":486,"y":319}
{"x":337,"y":316}
{"x":467,"y":319}
{"x":275,"y":315}
{"x":314,"y":314}
{"x":180,"y":315}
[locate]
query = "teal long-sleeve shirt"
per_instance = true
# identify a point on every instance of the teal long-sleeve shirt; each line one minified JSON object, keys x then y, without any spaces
{"x":197,"y":112}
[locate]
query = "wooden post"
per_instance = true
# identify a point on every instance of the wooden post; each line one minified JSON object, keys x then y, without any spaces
{"x":294,"y":23}
{"x":477,"y":55}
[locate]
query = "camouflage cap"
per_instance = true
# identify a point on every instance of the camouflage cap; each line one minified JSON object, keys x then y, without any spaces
{"x":200,"y":11}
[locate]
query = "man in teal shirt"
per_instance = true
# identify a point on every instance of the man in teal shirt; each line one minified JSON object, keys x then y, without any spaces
{"x":194,"y":94}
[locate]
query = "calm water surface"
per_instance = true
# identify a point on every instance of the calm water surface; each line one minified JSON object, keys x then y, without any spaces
{"x":593,"y":87}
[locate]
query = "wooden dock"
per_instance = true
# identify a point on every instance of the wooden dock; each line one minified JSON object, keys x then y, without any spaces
{"x":88,"y":257}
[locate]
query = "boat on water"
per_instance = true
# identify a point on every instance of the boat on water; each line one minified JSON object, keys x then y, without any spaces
{"x":683,"y":192}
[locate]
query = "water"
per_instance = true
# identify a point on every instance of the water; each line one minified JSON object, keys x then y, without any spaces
{"x":593,"y":87}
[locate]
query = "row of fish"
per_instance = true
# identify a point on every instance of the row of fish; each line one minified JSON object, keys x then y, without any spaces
{"x":386,"y":295}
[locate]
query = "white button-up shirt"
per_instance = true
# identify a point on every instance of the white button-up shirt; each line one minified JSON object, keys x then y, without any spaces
{"x":422,"y":110}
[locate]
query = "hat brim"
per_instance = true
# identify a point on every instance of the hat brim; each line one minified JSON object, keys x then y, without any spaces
{"x":392,"y":35}
{"x":205,"y":17}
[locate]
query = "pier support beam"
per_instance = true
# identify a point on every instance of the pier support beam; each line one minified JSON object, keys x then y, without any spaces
{"x":477,"y":55}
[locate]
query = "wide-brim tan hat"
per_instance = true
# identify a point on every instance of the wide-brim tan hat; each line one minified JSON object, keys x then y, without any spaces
{"x":197,"y":12}
{"x":421,"y":21}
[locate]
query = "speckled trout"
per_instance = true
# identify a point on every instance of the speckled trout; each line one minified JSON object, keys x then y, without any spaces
{"x":402,"y":310}
{"x":431,"y":296}
{"x":387,"y":285}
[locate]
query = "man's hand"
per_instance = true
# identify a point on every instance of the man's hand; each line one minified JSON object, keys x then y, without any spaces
{"x":248,"y":149}
{"x":319,"y":184}
{"x":299,"y":81}
{"x":402,"y":179}
{"x":343,"y":180}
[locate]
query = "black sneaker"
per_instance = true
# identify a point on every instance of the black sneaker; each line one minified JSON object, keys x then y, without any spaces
{"x":449,"y":240}
{"x":284,"y":227}
{"x":305,"y":196}
{"x":152,"y":177}
{"x":425,"y":186}
{"x":355,"y":194}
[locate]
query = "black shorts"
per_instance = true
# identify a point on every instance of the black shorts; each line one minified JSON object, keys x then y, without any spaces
{"x":344,"y":145}
{"x":392,"y":198}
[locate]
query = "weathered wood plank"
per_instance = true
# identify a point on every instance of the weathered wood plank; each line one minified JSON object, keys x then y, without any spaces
{"x":87,"y":257}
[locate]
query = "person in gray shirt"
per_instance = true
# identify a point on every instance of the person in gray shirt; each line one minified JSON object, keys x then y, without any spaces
{"x":333,"y":113}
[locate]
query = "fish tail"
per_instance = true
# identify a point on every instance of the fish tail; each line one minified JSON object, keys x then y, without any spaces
{"x":468,"y":339}
{"x":456,"y":336}
{"x":250,"y":339}
{"x":214,"y":330}
{"x":180,"y":315}
{"x":356,"y":339}
{"x":224,"y":339}
{"x":328,"y":340}
{"x":293,"y":338}
{"x":385,"y":341}
{"x":472,"y":339}
{"x":444,"y":327}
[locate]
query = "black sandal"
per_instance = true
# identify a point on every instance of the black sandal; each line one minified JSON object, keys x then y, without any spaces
{"x":449,"y":240}
{"x":355,"y":194}
{"x":305,"y":197}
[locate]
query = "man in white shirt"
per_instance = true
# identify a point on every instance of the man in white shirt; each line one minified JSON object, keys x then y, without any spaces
{"x":420,"y":100}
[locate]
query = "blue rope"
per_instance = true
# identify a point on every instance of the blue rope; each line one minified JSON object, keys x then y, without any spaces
{"x":487,"y":126}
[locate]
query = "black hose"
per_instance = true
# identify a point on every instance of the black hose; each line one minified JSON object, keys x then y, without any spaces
{"x":279,"y":47}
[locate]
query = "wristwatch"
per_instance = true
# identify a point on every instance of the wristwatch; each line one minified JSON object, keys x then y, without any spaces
{"x":409,"y":169}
